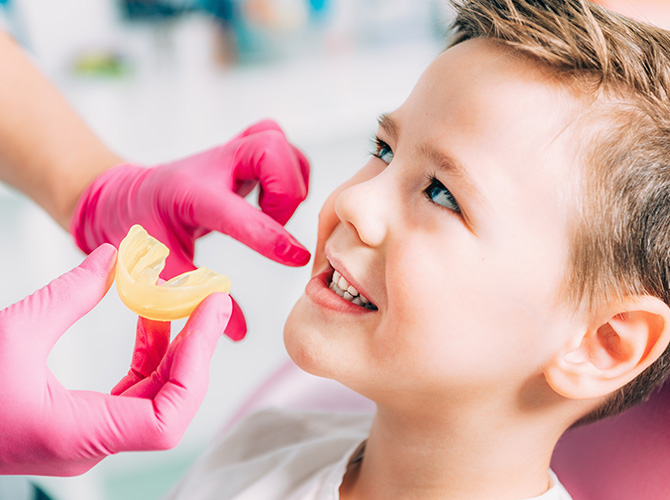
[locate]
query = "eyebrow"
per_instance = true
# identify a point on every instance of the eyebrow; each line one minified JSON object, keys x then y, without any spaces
{"x":388,"y":125}
{"x":442,"y":161}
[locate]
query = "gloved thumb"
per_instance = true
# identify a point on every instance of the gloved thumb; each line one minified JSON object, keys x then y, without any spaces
{"x":50,"y":311}
{"x":154,"y":413}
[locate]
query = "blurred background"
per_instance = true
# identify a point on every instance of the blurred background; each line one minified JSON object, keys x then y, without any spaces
{"x":162,"y":79}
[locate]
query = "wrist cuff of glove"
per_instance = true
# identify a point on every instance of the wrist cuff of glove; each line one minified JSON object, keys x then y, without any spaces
{"x":101,"y":206}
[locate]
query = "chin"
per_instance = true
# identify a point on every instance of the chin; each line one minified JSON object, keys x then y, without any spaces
{"x":314,"y":345}
{"x":303,"y":342}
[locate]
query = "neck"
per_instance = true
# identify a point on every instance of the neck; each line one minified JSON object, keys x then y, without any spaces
{"x":416,"y":455}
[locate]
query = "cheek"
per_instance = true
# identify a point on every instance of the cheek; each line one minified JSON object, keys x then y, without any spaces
{"x":455,"y":315}
{"x":429,"y":329}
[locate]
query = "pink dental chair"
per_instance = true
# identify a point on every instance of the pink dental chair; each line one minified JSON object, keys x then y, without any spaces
{"x":623,"y":458}
{"x":627,"y":457}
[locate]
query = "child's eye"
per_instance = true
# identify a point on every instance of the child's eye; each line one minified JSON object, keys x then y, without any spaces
{"x":383,"y":151}
{"x":440,"y":195}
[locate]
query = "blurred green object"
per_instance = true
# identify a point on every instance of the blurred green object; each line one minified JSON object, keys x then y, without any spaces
{"x":101,"y":64}
{"x":151,"y":478}
{"x":40,"y":494}
{"x":155,"y":10}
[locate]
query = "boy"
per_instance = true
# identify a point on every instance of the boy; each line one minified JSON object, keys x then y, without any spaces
{"x":495,"y":274}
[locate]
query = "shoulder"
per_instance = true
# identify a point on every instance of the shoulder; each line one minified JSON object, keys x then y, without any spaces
{"x":556,"y":489}
{"x":271,"y":453}
{"x":273,"y":429}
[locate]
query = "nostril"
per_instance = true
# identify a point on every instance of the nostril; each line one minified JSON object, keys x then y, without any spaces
{"x":366,"y":208}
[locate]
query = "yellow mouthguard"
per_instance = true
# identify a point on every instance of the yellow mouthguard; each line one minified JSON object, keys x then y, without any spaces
{"x":140,"y":260}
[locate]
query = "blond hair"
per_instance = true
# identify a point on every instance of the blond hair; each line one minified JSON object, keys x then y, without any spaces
{"x":621,"y":232}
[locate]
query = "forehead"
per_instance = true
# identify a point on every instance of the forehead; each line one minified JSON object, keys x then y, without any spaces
{"x":481,"y":89}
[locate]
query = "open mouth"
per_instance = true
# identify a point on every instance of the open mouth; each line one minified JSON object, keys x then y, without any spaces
{"x":341,"y":287}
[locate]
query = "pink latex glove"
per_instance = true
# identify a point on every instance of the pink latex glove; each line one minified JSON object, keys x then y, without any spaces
{"x":184,"y":200}
{"x":47,"y":429}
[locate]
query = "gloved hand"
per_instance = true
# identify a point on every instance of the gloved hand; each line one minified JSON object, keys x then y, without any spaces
{"x":184,"y":200}
{"x":46,"y":429}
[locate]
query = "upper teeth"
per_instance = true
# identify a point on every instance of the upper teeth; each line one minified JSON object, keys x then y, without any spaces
{"x":342,"y":287}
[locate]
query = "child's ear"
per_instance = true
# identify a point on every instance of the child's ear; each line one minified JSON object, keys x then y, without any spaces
{"x":612,"y":353}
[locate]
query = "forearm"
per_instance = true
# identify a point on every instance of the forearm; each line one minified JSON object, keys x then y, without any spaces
{"x":46,"y":150}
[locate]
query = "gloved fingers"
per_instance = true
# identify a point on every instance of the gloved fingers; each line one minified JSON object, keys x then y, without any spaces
{"x":151,"y":385}
{"x":260,"y":126}
{"x":50,"y":311}
{"x":177,"y":263}
{"x":236,"y":329}
{"x":152,"y":339}
{"x":180,"y":239}
{"x":128,"y":381}
{"x":184,"y":373}
{"x":187,"y":361}
{"x":232,"y":215}
{"x":282,"y":173}
{"x":148,"y":385}
{"x":136,"y":387}
{"x":303,"y":162}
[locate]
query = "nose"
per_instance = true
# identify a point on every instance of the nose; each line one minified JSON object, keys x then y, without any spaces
{"x":367,"y":207}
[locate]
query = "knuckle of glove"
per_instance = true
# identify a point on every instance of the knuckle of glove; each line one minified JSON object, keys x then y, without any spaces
{"x":274,"y":140}
{"x":166,"y":437}
{"x":262,"y":126}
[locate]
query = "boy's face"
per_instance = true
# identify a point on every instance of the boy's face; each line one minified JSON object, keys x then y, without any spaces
{"x":456,"y":231}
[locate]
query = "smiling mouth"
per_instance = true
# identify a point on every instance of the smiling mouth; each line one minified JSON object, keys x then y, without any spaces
{"x":341,"y":287}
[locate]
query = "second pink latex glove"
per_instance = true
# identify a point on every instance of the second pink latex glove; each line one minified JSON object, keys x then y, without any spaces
{"x":47,"y":429}
{"x":181,"y":201}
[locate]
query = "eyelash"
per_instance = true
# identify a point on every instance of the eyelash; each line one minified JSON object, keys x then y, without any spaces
{"x":433,"y":183}
{"x":380,"y":146}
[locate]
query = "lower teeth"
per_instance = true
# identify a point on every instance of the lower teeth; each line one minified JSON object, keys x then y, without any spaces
{"x":347,"y":296}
